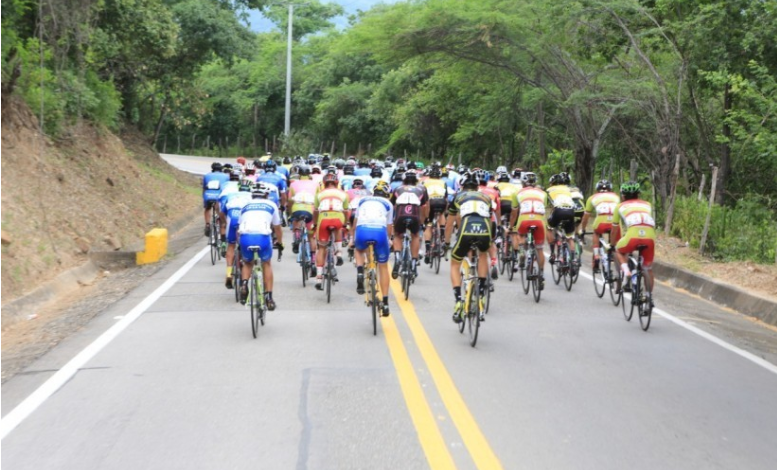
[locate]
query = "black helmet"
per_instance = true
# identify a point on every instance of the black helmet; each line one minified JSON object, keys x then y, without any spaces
{"x":376,"y":172}
{"x":411,"y":177}
{"x":411,"y":165}
{"x":304,"y":170}
{"x":554,"y":180}
{"x":565,"y":179}
{"x":470,"y":180}
{"x":215,"y":166}
{"x":348,"y":169}
{"x":357,"y":183}
{"x":503,"y":177}
{"x":517,"y":172}
{"x":270,"y":165}
{"x":286,"y":160}
{"x":234,"y":175}
{"x":603,"y":186}
{"x":397,"y":176}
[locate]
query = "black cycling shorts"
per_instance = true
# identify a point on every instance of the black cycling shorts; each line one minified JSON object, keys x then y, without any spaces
{"x":563,"y":218}
{"x":475,"y":232}
{"x":403,"y":223}
{"x":506,"y":207}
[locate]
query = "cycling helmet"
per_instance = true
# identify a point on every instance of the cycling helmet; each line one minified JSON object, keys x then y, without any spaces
{"x":311,"y":160}
{"x":435,"y":172}
{"x":470,"y":181}
{"x":315,"y":170}
{"x":461,"y":169}
{"x":238,"y":167}
{"x":330,"y":178}
{"x":412,"y":166}
{"x":528,"y":178}
{"x":565,"y":179}
{"x":245,"y":186}
{"x":501,"y":169}
{"x":270,"y":166}
{"x":227,"y":168}
{"x":397,"y":176}
{"x":261,"y":190}
{"x":215,"y":166}
{"x":481,"y":176}
{"x":376,"y":172}
{"x":420,"y":165}
{"x":339,"y":163}
{"x":603,"y":186}
{"x":250,"y":169}
{"x":358,"y":183}
{"x":503,"y":177}
{"x":517,"y":172}
{"x":411,"y":177}
{"x":234,"y":175}
{"x":304,"y":171}
{"x":241,"y":160}
{"x":382,"y":189}
{"x":287,"y":160}
{"x":630,"y":190}
{"x":331,"y":169}
{"x":554,"y":180}
{"x":348,"y":169}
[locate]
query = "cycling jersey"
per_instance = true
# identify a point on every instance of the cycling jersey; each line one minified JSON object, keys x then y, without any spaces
{"x":603,"y":205}
{"x":276,"y":183}
{"x":257,"y":219}
{"x":234,"y":205}
{"x":408,"y":200}
{"x":436,"y":188}
{"x":346,"y":182}
{"x":531,"y":203}
{"x":561,"y":197}
{"x":331,"y":204}
{"x":637,"y":226}
{"x":227,"y":188}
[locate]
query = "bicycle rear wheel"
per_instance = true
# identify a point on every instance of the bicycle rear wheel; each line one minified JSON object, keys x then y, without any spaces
{"x":526,"y":274}
{"x":555,"y":267}
{"x":644,"y":310}
{"x":473,"y":314}
{"x":600,"y":280}
{"x":567,"y":274}
{"x":236,"y":275}
{"x":535,"y":283}
{"x":374,"y":302}
{"x":615,"y":296}
{"x":328,"y":281}
{"x":490,"y":284}
{"x":254,"y":302}
{"x":627,"y":306}
{"x":213,"y":245}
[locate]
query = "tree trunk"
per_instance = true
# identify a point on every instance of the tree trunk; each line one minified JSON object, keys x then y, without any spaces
{"x":584,"y":168}
{"x":725,"y":155}
{"x":673,"y":189}
{"x":162,"y":115}
{"x":706,"y":230}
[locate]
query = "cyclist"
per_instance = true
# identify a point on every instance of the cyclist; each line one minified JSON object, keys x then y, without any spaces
{"x":472,"y":210}
{"x":376,"y":174}
{"x":231,"y":186}
{"x":577,"y":198}
{"x":302,"y":196}
{"x":529,"y":206}
{"x":438,"y":204}
{"x":347,"y":179}
{"x":330,"y":210}
{"x":517,"y":177}
{"x":496,"y":215}
{"x":373,"y":221}
{"x":396,"y":179}
{"x":602,"y":203}
{"x":562,"y":214}
{"x":275,"y":182}
{"x":235,"y":203}
{"x":410,"y":206}
{"x":506,"y":192}
{"x":258,"y":220}
{"x":636,"y":226}
{"x":212,"y":184}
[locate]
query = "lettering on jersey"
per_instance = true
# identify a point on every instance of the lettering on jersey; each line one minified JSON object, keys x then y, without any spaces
{"x":214,"y":184}
{"x":303,"y":198}
{"x":330,"y":204}
{"x":605,"y":208}
{"x":532,"y":206}
{"x":408,"y":198}
{"x":639,"y":218}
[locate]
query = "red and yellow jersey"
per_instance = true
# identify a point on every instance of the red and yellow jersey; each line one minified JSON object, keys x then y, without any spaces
{"x":493,"y":194}
{"x":331,"y":203}
{"x":633,"y":213}
{"x":602,"y":204}
{"x":436,"y":188}
{"x":530,"y":201}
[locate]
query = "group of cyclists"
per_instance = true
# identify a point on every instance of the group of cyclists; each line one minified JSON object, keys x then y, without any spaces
{"x":362,"y":203}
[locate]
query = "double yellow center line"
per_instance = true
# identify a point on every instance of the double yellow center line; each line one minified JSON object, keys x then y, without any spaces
{"x":437,"y":452}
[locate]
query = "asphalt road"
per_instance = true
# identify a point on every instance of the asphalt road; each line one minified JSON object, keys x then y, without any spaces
{"x":566,"y":383}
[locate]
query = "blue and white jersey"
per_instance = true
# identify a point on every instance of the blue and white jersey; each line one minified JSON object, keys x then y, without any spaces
{"x":374,"y":211}
{"x":394,"y":185}
{"x":235,"y":203}
{"x":346,"y":182}
{"x":259,"y":216}
{"x":228,"y":188}
{"x":283,"y":171}
{"x":275,"y":179}
{"x":370,"y":183}
{"x":362,"y":172}
{"x":212,"y":184}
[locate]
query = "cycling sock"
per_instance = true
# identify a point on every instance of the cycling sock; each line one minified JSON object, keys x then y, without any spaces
{"x":482,"y":285}
{"x":268,"y":294}
{"x":385,"y":300}
{"x":457,"y":293}
{"x":229,"y":271}
{"x":396,"y":257}
{"x":493,"y":261}
{"x":428,"y":245}
{"x":360,"y":270}
{"x":415,"y":262}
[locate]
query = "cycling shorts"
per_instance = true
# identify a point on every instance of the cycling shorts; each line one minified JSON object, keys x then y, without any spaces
{"x":563,"y":218}
{"x":264,"y":242}
{"x":379,"y":235}
{"x":232,"y":224}
{"x":603,"y":224}
{"x":532,"y":220}
{"x":437,"y":206}
{"x":403,"y":223}
{"x":304,"y":216}
{"x":635,"y":236}
{"x":323,"y":229}
{"x":209,"y":198}
{"x":475,"y":232}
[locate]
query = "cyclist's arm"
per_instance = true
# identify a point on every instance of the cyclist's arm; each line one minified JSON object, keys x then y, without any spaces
{"x":584,"y":222}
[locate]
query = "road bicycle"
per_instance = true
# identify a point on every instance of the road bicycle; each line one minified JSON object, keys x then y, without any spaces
{"x":578,"y":257}
{"x":505,"y":251}
{"x":473,"y":307}
{"x":406,"y":266}
{"x":237,"y":265}
{"x":303,"y":257}
{"x":436,"y":248}
{"x":215,"y":230}
{"x":639,"y":292}
{"x":256,"y":300}
{"x":606,"y":277}
{"x":530,"y":268}
{"x":373,"y":296}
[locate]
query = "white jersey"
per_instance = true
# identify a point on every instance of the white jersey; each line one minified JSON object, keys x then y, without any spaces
{"x":374,"y":211}
{"x":259,"y":216}
{"x":236,"y":204}
{"x":229,"y":188}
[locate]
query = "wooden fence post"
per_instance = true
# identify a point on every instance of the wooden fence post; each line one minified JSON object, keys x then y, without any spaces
{"x":709,"y":210}
{"x":701,"y":185}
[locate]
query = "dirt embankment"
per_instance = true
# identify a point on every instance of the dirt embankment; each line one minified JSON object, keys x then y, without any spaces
{"x":87,"y":190}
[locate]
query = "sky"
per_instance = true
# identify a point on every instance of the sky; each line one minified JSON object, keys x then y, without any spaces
{"x":260,"y":24}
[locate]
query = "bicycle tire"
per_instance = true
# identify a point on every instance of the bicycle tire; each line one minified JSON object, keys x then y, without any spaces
{"x":535,"y":283}
{"x":252,"y":299}
{"x":600,"y":280}
{"x":644,"y":310}
{"x":567,"y":274}
{"x":406,"y":285}
{"x":236,"y":275}
{"x":628,"y":311}
{"x":260,"y":298}
{"x":489,"y":283}
{"x":555,"y":267}
{"x":328,"y":281}
{"x":374,"y":302}
{"x":437,"y":259}
{"x":526,"y":273}
{"x":473,"y":315}
{"x":576,"y":263}
{"x":615,"y":296}
{"x":511,"y":265}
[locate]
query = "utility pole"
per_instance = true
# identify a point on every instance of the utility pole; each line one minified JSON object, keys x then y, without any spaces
{"x":287,"y":126}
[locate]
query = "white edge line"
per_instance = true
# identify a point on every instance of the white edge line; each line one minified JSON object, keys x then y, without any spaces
{"x":63,"y":375}
{"x":710,"y":337}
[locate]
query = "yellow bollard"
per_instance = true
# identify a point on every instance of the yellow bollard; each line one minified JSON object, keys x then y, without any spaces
{"x":156,"y":247}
